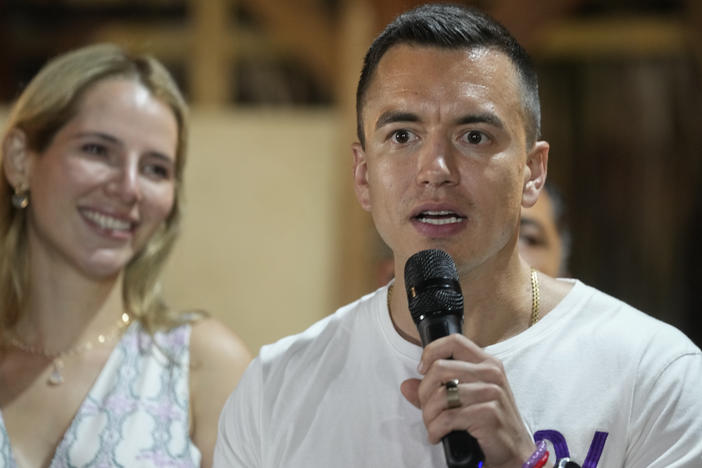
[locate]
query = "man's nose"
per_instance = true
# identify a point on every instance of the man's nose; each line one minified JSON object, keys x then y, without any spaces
{"x":436,"y":164}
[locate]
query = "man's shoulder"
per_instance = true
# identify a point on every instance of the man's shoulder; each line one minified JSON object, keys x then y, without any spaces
{"x":613,"y":319}
{"x":336,"y":330}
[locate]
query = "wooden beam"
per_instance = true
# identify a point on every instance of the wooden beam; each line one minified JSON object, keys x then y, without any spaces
{"x":302,"y":30}
{"x":611,"y":37}
{"x":525,"y":20}
{"x":694,"y":26}
{"x":167,"y":41}
{"x":209,"y":67}
{"x":355,"y":230}
{"x":387,"y":10}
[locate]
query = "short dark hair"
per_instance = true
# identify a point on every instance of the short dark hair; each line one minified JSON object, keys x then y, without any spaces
{"x":453,"y":27}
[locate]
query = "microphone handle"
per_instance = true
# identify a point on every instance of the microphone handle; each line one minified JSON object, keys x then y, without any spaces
{"x":460,"y":448}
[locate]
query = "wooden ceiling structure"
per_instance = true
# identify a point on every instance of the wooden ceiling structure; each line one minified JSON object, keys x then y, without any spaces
{"x":330,"y":37}
{"x":208,"y":39}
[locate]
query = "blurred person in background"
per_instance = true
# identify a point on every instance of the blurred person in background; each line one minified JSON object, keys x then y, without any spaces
{"x":95,"y":368}
{"x":544,"y":236}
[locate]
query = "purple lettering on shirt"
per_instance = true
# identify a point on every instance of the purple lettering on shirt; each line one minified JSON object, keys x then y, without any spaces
{"x":560,"y":446}
{"x":557,"y":440}
{"x":595,"y":451}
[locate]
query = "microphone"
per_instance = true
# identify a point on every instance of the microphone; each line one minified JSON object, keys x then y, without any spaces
{"x":436,"y":304}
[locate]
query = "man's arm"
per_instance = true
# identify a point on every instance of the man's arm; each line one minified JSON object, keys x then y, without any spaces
{"x":217,"y":360}
{"x":239,"y":438}
{"x":666,"y":418}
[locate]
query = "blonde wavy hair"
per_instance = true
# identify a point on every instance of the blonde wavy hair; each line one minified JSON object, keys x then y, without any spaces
{"x":48,"y":102}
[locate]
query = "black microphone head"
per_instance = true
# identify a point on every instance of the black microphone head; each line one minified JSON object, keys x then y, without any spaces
{"x":432,"y":285}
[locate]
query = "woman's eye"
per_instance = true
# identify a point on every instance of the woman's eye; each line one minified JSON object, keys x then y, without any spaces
{"x":401,"y":136}
{"x":95,"y":149}
{"x":158,"y":171}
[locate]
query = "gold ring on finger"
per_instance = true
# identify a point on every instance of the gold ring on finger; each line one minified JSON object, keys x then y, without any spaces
{"x":453,"y":400}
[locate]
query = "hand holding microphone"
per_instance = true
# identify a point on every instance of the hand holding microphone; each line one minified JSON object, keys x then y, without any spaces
{"x":436,"y":304}
{"x":464,"y":394}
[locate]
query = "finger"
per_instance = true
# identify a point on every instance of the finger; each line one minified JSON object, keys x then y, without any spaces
{"x":490,"y":417}
{"x":457,"y":419}
{"x":454,"y":346}
{"x":442,"y":371}
{"x":469,"y":394}
{"x":501,"y":436}
{"x":410,"y":390}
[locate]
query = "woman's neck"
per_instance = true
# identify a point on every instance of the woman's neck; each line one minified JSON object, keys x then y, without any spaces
{"x":64,"y":307}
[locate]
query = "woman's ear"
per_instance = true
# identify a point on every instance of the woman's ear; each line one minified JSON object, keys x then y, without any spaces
{"x":535,"y":173}
{"x":16,"y":159}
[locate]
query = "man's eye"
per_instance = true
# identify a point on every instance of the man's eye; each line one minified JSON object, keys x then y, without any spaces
{"x":475,"y":137}
{"x":527,"y":240}
{"x":531,"y":240}
{"x":401,"y":136}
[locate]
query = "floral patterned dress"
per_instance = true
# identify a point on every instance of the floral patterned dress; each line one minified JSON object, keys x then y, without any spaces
{"x":136,"y":414}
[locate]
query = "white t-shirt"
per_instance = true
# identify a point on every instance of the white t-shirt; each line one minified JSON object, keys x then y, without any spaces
{"x":606,"y":384}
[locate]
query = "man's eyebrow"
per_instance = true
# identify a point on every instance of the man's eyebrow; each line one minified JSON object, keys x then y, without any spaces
{"x":488,"y":118}
{"x":399,"y":116}
{"x":395,"y":116}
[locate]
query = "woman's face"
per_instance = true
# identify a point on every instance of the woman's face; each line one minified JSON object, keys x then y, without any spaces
{"x":106,"y":181}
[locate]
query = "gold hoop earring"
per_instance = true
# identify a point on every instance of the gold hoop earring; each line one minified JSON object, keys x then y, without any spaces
{"x":20,"y":199}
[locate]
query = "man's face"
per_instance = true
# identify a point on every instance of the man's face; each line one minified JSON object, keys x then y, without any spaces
{"x":445,"y":163}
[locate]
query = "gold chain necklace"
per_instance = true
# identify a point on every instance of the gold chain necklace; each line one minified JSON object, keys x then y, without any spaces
{"x":57,"y":358}
{"x":535,"y":297}
{"x":535,"y":293}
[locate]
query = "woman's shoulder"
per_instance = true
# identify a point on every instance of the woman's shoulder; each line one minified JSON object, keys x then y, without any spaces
{"x":214,"y":345}
{"x":218,"y":358}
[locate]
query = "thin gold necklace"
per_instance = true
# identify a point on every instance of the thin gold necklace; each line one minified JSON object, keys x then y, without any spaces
{"x":535,"y":296}
{"x":535,"y":293}
{"x":57,"y":358}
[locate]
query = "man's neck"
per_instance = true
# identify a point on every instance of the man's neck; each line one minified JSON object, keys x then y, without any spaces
{"x":497,"y":307}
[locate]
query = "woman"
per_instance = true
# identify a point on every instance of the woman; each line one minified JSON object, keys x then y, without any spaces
{"x":95,"y":370}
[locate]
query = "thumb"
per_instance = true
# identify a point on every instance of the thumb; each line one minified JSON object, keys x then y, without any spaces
{"x":410,"y":390}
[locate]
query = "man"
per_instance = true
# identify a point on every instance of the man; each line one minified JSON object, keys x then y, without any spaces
{"x":448,"y":152}
{"x":544,"y":237}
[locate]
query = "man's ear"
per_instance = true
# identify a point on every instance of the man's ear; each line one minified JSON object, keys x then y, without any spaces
{"x":360,"y":176}
{"x":16,"y":160}
{"x":535,"y":173}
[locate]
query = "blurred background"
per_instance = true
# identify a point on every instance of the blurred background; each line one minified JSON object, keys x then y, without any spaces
{"x":273,"y":237}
